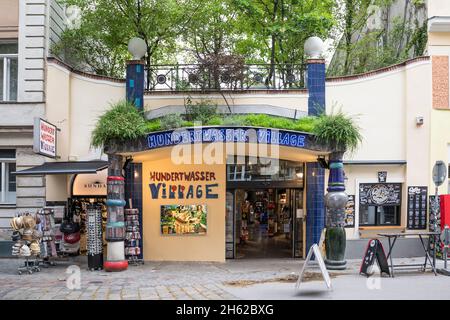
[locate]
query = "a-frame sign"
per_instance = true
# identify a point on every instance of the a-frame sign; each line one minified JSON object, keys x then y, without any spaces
{"x":374,"y":251}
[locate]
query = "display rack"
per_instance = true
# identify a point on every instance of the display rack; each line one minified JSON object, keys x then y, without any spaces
{"x":29,"y":266}
{"x":94,"y":237}
{"x":48,"y":245}
{"x":27,"y":239}
{"x":133,"y":237}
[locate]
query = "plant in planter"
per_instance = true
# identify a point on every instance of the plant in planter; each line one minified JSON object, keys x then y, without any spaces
{"x":121,"y":122}
{"x":339,"y":133}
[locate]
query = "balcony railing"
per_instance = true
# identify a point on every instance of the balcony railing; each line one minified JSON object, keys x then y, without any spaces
{"x":197,"y":77}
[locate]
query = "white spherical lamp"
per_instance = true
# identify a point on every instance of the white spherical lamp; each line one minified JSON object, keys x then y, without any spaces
{"x":137,"y":47}
{"x":314,"y":47}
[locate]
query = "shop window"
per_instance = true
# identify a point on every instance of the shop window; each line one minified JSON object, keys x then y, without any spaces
{"x":8,"y":71}
{"x":379,"y":215}
{"x":264,"y":169}
{"x":7,"y":178}
{"x":379,"y":204}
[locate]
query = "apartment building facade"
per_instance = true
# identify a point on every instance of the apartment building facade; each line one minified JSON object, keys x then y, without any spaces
{"x":27,"y":30}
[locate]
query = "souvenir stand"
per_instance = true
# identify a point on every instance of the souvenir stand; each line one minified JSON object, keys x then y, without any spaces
{"x":46,"y":227}
{"x":94,"y":237}
{"x":27,"y":241}
{"x":132,"y":236}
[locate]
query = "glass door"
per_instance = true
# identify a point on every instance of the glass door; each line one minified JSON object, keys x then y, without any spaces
{"x":229,"y":225}
{"x":296,"y":200}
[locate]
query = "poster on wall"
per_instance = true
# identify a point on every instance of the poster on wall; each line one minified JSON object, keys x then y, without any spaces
{"x":183,"y":219}
{"x":350,"y":212}
{"x":417,"y":207}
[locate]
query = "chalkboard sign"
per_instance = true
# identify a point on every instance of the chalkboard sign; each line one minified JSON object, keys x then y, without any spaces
{"x":417,"y":207}
{"x":380,"y":194}
{"x":350,"y":212}
{"x":374,"y":252}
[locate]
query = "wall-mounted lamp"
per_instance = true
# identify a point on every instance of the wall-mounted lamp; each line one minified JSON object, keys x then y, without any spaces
{"x":323,"y":163}
{"x":299,"y":173}
{"x":419,"y":121}
{"x":127,"y":162}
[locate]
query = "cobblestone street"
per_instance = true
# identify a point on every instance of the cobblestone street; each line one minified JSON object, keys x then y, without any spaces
{"x":235,"y":279}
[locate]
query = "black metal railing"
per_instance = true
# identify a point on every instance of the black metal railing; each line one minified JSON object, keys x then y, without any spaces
{"x":198,"y":77}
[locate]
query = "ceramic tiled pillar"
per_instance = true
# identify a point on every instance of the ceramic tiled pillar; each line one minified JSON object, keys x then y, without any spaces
{"x":315,"y":74}
{"x":135,"y":83}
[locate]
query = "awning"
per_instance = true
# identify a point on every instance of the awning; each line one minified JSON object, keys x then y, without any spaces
{"x":70,"y":167}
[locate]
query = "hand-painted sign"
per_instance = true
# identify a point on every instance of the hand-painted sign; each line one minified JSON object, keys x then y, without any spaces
{"x":377,"y":194}
{"x":44,"y":138}
{"x":160,"y":189}
{"x":208,"y":135}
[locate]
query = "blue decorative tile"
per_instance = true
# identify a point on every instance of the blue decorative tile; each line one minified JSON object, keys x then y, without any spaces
{"x":315,"y":206}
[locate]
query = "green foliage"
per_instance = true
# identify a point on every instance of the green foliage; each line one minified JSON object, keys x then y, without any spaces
{"x":362,"y":49}
{"x":171,"y":121}
{"x":305,"y":124}
{"x":106,"y":26}
{"x":264,"y":31}
{"x":338,"y":131}
{"x":200,"y":111}
{"x":121,"y":122}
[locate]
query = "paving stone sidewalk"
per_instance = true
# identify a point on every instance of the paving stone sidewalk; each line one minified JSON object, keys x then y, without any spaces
{"x":153,"y":280}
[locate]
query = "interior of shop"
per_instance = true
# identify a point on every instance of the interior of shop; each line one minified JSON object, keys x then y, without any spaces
{"x":264,"y":208}
{"x":265,"y":223}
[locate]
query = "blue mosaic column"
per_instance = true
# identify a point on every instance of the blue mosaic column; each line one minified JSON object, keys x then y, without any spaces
{"x":315,"y":206}
{"x":315,"y":74}
{"x":135,"y":83}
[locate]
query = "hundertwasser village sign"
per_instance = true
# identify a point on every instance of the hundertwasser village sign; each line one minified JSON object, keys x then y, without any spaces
{"x":168,"y":185}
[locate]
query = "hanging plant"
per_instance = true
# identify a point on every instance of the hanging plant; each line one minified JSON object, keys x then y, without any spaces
{"x":123,"y":121}
{"x":337,"y":131}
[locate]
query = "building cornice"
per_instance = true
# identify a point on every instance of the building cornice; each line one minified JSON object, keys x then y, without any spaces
{"x":378,"y":71}
{"x":82,"y":73}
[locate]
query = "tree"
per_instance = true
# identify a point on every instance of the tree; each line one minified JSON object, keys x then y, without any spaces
{"x":282,"y":26}
{"x":110,"y":24}
{"x":394,"y":38}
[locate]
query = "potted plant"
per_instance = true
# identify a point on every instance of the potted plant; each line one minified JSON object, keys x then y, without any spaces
{"x":340,"y":134}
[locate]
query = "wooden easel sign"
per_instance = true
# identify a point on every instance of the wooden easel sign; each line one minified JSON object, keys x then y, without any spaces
{"x":326,"y":277}
{"x":374,"y":251}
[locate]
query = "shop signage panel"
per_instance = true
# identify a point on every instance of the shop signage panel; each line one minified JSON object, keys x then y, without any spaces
{"x":417,"y":207}
{"x":225,"y":135}
{"x":44,"y":135}
{"x":380,"y":194}
{"x":349,"y":219}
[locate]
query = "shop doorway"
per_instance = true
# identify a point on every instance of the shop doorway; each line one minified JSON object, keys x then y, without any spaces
{"x":267,"y":223}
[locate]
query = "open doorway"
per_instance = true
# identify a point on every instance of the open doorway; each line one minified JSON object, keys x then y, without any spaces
{"x":267,"y":224}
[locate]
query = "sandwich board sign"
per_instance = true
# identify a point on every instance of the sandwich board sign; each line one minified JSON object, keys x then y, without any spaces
{"x":374,"y":251}
{"x":316,"y":251}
